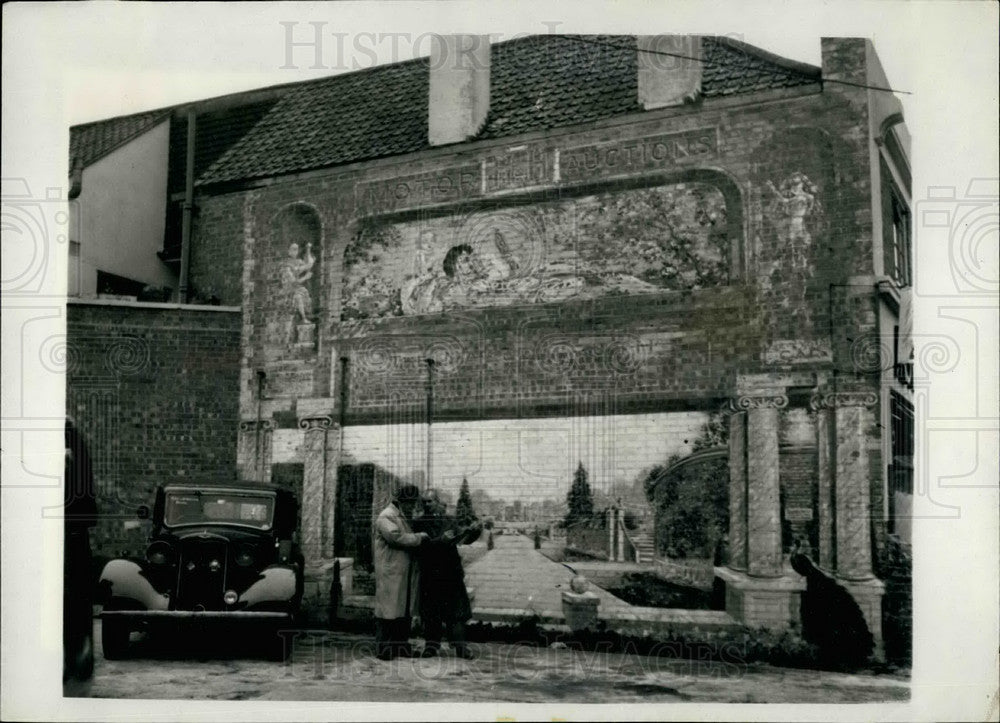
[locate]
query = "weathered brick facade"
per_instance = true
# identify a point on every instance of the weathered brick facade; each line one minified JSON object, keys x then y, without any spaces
{"x":149,"y":384}
{"x":716,"y":254}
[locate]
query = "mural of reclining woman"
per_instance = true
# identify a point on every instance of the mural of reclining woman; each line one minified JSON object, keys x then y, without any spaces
{"x":460,"y":283}
{"x":472,"y":277}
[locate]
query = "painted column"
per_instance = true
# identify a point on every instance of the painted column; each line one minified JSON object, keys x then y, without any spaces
{"x":254,"y":448}
{"x":313,"y":485}
{"x":843,"y":454}
{"x":763,"y":540}
{"x":825,"y":446}
{"x":609,"y":517}
{"x":334,"y":445}
{"x":758,"y":591}
{"x":763,"y":501}
{"x":754,"y":501}
{"x":737,"y":490}
{"x":620,"y":526}
{"x":846,"y":466}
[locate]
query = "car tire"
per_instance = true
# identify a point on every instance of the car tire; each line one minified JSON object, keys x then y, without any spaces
{"x":114,"y":638}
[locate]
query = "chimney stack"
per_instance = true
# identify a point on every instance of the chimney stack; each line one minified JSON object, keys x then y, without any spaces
{"x":459,"y":97}
{"x":670,"y":70}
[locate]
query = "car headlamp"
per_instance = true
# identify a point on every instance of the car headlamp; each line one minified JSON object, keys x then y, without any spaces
{"x":245,"y":556}
{"x":160,"y":553}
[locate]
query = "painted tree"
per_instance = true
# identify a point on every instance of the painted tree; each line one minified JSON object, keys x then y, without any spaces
{"x":579,"y":499}
{"x":464,"y":512}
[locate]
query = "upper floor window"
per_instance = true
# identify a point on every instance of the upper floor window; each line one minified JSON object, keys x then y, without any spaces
{"x":896,"y":232}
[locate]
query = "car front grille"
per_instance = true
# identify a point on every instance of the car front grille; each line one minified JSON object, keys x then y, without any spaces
{"x":201,"y":573}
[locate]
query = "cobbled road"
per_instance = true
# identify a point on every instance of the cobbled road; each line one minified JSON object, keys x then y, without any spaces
{"x":340,"y":666}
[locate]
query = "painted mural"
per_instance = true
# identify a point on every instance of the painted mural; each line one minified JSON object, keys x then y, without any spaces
{"x":667,"y":238}
{"x":795,"y":217}
{"x":296,"y":237}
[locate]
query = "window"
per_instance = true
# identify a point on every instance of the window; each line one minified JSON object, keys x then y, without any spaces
{"x":900,"y":241}
{"x":73,"y":280}
{"x":896,"y":231}
{"x":115,"y":285}
{"x":901,"y":466}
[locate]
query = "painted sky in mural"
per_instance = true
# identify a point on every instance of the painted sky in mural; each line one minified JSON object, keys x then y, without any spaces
{"x":667,"y":238}
{"x":528,"y":460}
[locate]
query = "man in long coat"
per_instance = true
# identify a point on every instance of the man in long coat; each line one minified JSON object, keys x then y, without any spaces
{"x":396,"y":574}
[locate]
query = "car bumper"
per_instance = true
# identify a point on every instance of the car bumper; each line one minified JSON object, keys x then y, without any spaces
{"x":201,"y":614}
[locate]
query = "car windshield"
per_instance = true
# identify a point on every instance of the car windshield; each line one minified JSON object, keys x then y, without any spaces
{"x":228,"y":508}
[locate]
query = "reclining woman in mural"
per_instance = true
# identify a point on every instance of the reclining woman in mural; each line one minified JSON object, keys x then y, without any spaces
{"x":461,"y":283}
{"x":396,"y":574}
{"x":444,"y":601}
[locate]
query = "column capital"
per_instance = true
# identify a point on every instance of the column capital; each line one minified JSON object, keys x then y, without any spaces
{"x":746,"y":402}
{"x":250,"y":425}
{"x":318,"y":421}
{"x":832,"y":400}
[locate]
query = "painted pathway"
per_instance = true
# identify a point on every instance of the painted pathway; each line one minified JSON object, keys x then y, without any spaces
{"x":515,"y":576}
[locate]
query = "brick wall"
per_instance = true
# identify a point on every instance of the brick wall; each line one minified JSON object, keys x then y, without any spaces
{"x":153,"y":388}
{"x":798,"y":298}
{"x":216,"y":263}
{"x":664,"y":349}
{"x":799,"y":497}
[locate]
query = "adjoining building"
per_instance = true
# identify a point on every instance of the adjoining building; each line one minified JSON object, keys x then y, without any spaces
{"x":567,"y":227}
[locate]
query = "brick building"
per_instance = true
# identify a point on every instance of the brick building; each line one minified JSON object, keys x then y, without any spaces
{"x":607,"y":238}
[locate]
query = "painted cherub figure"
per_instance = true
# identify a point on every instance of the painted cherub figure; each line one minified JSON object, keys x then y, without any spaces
{"x":796,"y":198}
{"x":295,"y":274}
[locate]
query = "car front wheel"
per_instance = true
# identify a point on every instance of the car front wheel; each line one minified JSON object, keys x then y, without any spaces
{"x":114,"y":638}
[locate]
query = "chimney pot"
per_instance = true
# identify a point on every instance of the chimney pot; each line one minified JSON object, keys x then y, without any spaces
{"x":459,"y":97}
{"x":670,"y":70}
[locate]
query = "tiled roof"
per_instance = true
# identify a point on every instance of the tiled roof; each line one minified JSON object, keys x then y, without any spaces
{"x":91,"y":141}
{"x":216,"y":131}
{"x":536,"y":83}
{"x":377,"y":112}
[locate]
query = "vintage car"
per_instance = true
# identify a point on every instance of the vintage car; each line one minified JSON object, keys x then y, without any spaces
{"x":216,"y":555}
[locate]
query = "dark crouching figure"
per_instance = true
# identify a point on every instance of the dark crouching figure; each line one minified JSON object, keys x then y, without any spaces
{"x":831,"y":619}
{"x":444,"y":601}
{"x":80,"y":514}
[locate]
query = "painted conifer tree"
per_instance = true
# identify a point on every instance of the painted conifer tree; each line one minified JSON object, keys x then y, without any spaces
{"x":464,"y":512}
{"x":579,"y":501}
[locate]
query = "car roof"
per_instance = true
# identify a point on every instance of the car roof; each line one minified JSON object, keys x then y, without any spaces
{"x":218,"y":487}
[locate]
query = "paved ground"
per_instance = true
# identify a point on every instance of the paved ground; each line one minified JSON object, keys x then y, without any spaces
{"x":339,"y":666}
{"x":513,"y":575}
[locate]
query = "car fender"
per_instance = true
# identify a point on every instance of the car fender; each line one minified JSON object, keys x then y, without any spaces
{"x":278,"y":583}
{"x":125,"y":580}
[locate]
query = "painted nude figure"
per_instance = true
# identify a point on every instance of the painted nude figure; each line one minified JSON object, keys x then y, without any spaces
{"x":295,"y":273}
{"x":796,"y":198}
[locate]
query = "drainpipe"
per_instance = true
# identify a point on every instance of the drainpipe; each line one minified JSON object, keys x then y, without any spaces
{"x":343,"y":403}
{"x":261,"y":377}
{"x":430,"y":420}
{"x":188,"y":206}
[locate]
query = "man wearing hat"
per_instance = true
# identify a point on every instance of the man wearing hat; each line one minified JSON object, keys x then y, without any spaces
{"x":444,"y":601}
{"x":396,"y":574}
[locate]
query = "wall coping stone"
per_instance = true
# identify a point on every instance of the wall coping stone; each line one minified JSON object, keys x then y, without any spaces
{"x":153,"y":305}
